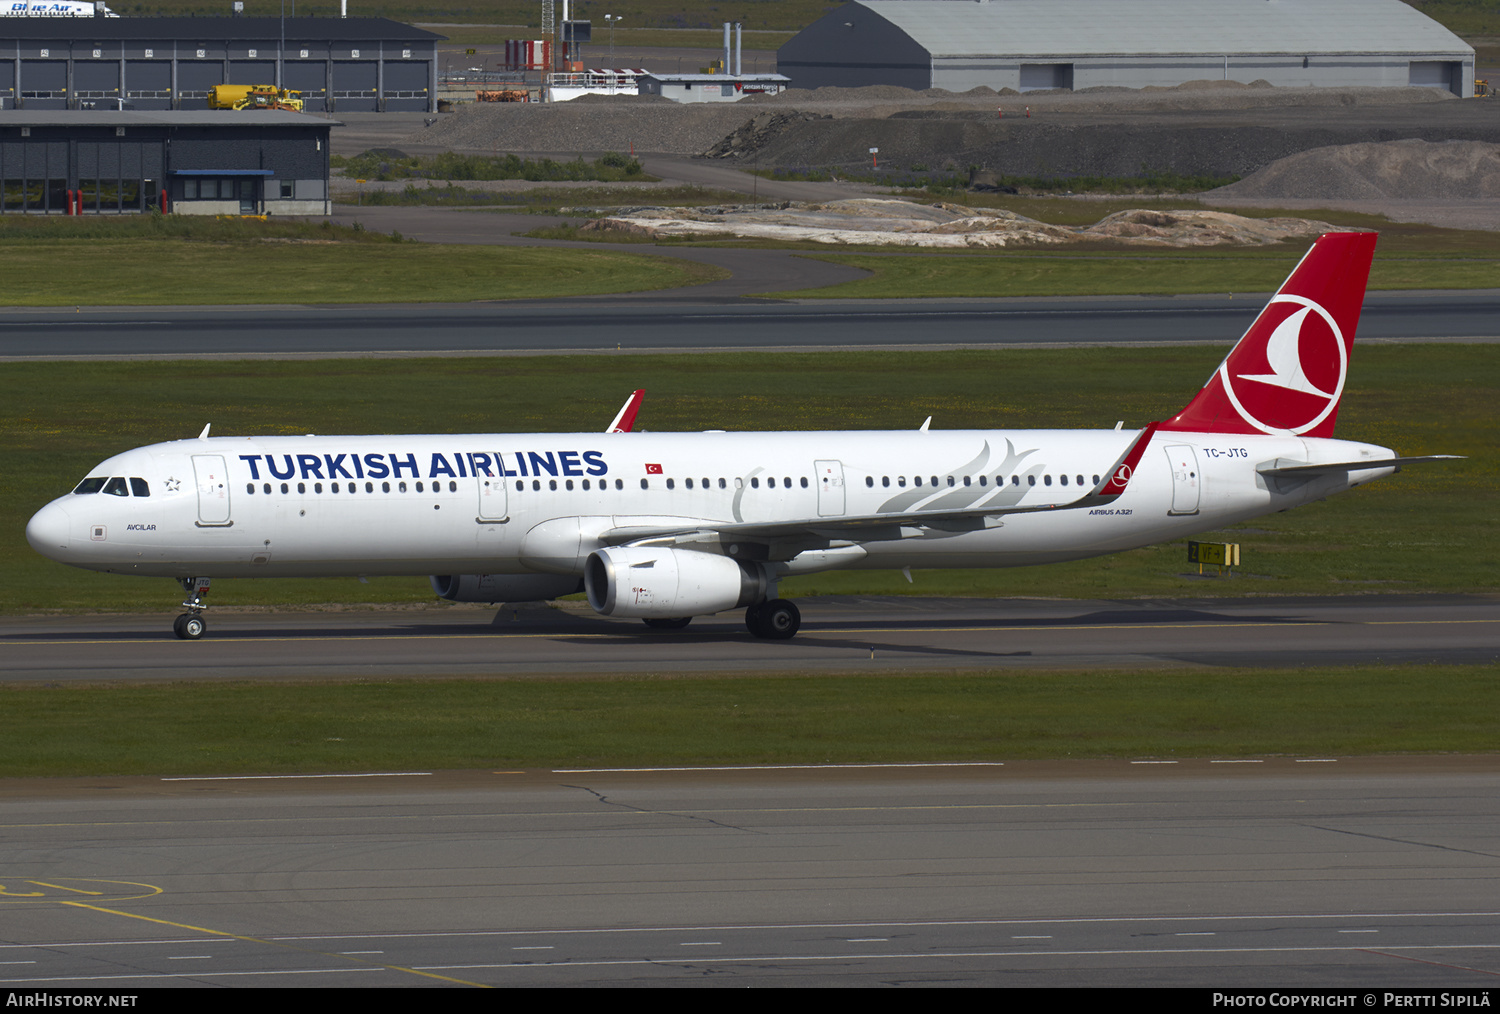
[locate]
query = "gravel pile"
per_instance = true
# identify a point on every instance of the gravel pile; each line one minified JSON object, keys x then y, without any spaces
{"x":1211,"y":128}
{"x":759,"y":131}
{"x":1057,"y":145}
{"x":1411,"y":169}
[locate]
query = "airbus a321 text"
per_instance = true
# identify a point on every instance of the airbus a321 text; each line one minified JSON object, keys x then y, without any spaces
{"x":668,"y":526}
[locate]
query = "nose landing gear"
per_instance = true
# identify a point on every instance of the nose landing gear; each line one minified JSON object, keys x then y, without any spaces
{"x":190,"y":625}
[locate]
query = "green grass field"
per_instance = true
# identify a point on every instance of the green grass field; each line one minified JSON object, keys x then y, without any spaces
{"x":152,"y":259}
{"x":1428,"y":529}
{"x":1112,"y":272}
{"x":272,"y":727}
{"x":49,"y":261}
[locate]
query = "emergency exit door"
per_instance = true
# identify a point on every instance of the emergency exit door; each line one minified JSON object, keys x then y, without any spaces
{"x":830,"y":488}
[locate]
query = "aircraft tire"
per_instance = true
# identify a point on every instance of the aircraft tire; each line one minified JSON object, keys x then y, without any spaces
{"x":753,"y":620}
{"x":668,"y":622}
{"x":189,"y":627}
{"x":779,"y":620}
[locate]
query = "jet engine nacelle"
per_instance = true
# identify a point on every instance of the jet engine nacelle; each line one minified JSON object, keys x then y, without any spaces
{"x":503,"y":587}
{"x":660,"y":582}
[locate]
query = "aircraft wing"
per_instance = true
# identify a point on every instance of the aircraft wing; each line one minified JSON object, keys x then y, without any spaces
{"x":888,"y":526}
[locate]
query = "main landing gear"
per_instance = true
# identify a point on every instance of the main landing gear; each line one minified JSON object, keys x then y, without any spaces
{"x":190,"y":625}
{"x":774,"y":620}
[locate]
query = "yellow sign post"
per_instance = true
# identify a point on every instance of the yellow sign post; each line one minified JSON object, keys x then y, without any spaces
{"x":1221,"y":554}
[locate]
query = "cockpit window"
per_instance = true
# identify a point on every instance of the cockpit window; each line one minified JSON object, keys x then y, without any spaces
{"x":116,"y":487}
{"x":139,"y":487}
{"x":93,"y":484}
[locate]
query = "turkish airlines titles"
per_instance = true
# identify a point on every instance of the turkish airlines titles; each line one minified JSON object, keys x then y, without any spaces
{"x":458,"y":465}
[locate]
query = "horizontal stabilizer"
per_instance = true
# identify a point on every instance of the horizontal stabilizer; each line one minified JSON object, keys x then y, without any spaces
{"x":1310,"y":470}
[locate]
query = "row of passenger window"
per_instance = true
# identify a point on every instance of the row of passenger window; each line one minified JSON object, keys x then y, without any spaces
{"x":536,"y":485}
{"x":114,"y":486}
{"x":353,"y":487}
{"x":983,"y":480}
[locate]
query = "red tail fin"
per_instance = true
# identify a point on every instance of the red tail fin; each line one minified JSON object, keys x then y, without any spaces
{"x":1287,"y":373}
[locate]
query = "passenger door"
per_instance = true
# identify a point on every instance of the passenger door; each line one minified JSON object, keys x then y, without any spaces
{"x":1186,"y":481}
{"x":213,"y":490}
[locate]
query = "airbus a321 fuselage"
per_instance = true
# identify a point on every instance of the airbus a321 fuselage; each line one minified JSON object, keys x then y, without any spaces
{"x":667,"y":526}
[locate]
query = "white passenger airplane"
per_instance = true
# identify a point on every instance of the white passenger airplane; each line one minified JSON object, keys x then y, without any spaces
{"x":668,"y":526}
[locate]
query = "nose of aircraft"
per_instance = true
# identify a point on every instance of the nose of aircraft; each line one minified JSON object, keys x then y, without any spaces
{"x":47,"y":531}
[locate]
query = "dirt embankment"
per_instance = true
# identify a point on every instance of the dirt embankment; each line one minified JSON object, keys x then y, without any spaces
{"x":1205,"y":128}
{"x":1402,"y":170}
{"x":1070,"y":143}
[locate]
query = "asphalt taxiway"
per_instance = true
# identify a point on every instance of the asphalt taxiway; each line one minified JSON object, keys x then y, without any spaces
{"x":838,"y":634}
{"x":1313,"y":872}
{"x":692,"y":324}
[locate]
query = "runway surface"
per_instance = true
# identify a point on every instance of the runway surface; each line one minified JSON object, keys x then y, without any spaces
{"x":1365,"y":874}
{"x":663,"y":325}
{"x":838,"y":634}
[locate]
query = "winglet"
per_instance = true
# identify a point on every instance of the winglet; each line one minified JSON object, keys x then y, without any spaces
{"x":625,"y":420}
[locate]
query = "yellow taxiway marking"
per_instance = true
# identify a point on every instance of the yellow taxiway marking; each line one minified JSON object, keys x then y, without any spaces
{"x":269,"y":943}
{"x":61,"y":887}
{"x":807,"y":631}
{"x":143,"y":890}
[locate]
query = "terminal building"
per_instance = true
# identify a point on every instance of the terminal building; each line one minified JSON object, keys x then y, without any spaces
{"x":1028,"y":45}
{"x":221,"y":162}
{"x":338,"y":64}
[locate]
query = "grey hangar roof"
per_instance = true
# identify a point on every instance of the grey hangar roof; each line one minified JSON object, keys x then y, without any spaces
{"x":220,"y":29}
{"x":960,"y":44}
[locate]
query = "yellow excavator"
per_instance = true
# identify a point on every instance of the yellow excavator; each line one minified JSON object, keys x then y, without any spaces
{"x":229,"y":96}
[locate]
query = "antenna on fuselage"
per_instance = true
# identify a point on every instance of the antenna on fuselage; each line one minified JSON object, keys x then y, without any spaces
{"x":925,"y":423}
{"x":204,"y":434}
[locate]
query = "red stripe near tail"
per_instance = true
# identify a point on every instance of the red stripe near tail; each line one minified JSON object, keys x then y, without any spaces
{"x":1287,"y":373}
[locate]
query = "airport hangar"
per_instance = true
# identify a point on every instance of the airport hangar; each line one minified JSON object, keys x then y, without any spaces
{"x":338,"y":64}
{"x":1029,"y":45}
{"x":208,"y":162}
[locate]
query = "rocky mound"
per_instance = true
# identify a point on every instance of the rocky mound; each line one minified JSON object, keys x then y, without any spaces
{"x":1411,"y":170}
{"x":758,"y":131}
{"x":900,"y":223}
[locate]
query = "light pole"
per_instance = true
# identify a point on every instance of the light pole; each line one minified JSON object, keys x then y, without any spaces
{"x":610,"y":20}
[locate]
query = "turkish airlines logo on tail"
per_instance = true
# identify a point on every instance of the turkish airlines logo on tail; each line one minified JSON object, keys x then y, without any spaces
{"x":1291,"y":380}
{"x":1121,"y":478}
